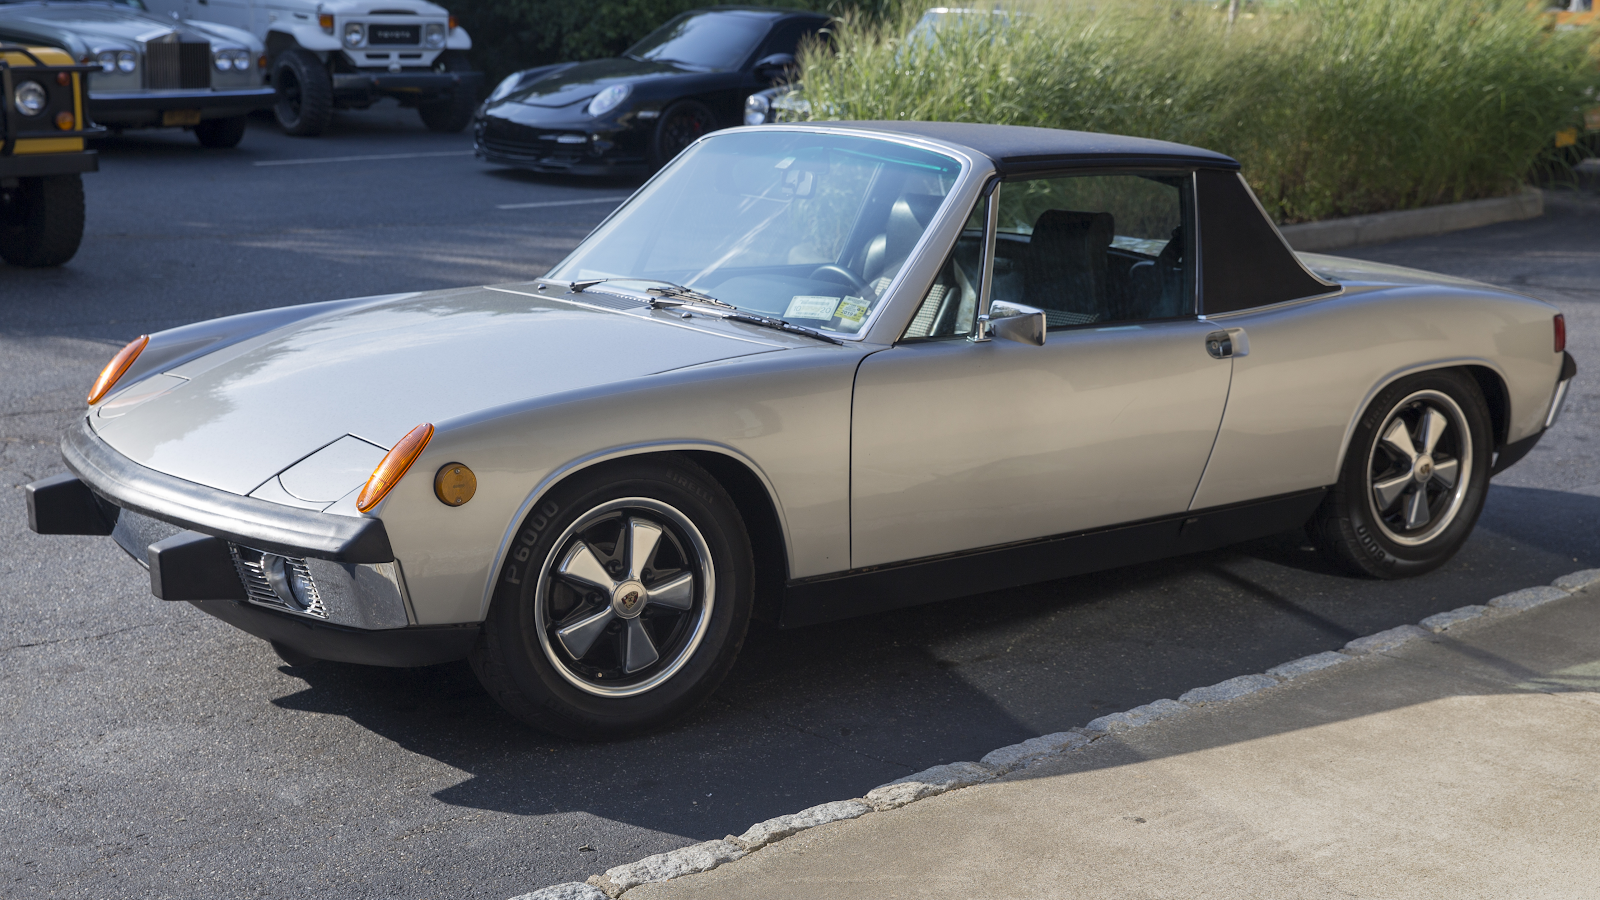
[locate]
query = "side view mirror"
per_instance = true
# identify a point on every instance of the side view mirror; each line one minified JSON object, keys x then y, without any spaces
{"x":773,"y":67}
{"x":1015,"y":322}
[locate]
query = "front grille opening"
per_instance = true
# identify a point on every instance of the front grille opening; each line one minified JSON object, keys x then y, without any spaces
{"x":281,"y":582}
{"x":171,"y":66}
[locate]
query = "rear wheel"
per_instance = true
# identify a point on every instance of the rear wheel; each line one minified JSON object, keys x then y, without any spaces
{"x":305,"y":93}
{"x":682,"y":124}
{"x":41,"y":220}
{"x":623,"y":604}
{"x":1414,"y":478}
{"x":220,"y":134}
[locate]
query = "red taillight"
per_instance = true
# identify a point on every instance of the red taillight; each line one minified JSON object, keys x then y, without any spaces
{"x":1561,"y":332}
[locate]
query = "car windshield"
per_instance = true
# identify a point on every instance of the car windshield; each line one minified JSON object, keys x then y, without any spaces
{"x":807,"y":227}
{"x":710,"y":39}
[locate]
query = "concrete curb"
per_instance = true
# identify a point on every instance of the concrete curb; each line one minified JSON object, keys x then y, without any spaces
{"x":954,"y":776}
{"x":1331,"y":234}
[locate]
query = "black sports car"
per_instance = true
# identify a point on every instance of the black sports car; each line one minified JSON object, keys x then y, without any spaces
{"x":634,"y":113}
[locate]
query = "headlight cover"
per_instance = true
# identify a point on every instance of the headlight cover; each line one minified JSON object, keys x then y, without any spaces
{"x":433,"y":36}
{"x":354,"y":34}
{"x":505,"y":87}
{"x":609,"y":99}
{"x":30,"y":98}
{"x":756,"y":107}
{"x":232,"y":60}
{"x":127,"y":61}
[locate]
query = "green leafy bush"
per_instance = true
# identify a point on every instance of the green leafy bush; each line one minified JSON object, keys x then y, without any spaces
{"x":1334,"y":107}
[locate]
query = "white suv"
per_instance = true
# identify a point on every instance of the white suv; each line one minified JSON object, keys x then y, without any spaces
{"x":339,"y":54}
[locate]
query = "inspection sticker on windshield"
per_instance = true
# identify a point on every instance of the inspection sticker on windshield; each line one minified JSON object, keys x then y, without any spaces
{"x":811,"y":308}
{"x":852,"y":310}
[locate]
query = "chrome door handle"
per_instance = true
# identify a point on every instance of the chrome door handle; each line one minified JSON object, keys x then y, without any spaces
{"x":1232,"y":343}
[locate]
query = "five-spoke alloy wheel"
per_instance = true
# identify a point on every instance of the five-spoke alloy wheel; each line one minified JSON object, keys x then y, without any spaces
{"x":1414,"y":478}
{"x":623,"y":601}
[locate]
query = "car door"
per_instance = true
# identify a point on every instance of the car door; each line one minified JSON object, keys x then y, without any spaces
{"x":959,"y":445}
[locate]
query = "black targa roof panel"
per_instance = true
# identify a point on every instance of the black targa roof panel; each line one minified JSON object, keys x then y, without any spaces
{"x":1020,"y":149}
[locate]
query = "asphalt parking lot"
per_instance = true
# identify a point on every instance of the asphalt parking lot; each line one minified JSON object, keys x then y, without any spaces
{"x":151,"y":751}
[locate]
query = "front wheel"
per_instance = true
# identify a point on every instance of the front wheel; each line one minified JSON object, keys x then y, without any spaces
{"x":41,"y":220}
{"x":304,"y":107}
{"x":221,"y":134}
{"x":682,"y":124}
{"x":623,"y":603}
{"x":1414,"y":479}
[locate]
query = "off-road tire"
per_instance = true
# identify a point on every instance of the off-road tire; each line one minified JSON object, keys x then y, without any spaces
{"x":450,"y":115}
{"x":1349,"y":528}
{"x":304,"y":104}
{"x":520,"y":672}
{"x":680,"y":125}
{"x":41,"y":220}
{"x":221,"y":134}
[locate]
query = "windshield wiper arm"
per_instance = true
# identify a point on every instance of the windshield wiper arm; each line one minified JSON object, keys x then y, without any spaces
{"x":667,"y":289}
{"x":781,"y":325}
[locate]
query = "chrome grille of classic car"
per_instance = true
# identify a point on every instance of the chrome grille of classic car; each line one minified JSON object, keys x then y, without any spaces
{"x":281,"y":582}
{"x":173,"y":65}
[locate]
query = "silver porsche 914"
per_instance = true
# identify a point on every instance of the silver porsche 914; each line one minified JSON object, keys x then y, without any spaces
{"x":805,"y":372}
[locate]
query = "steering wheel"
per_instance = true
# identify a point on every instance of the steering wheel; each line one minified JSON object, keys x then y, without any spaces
{"x":852,"y":278}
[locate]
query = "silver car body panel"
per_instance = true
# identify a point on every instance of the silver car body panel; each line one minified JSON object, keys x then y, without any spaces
{"x":1098,"y":426}
{"x":957,"y":446}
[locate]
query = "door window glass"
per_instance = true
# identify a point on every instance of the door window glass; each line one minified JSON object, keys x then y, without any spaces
{"x":1090,"y":249}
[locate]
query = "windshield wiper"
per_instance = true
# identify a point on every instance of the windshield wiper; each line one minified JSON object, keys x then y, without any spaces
{"x":667,"y":289}
{"x":781,"y":325}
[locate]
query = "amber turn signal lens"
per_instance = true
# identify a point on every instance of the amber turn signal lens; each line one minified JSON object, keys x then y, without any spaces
{"x":394,"y":466}
{"x":119,"y":364}
{"x":452,"y":23}
{"x":65,"y":121}
{"x":454,"y":484}
{"x":326,"y":21}
{"x":63,"y":78}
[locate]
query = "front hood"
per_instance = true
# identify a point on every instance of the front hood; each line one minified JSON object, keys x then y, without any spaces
{"x":366,"y":7}
{"x":574,"y":84}
{"x":252,"y":409}
{"x":88,"y":21}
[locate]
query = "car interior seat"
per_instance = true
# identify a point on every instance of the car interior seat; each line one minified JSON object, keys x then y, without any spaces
{"x":1064,"y":268}
{"x":908,"y":219}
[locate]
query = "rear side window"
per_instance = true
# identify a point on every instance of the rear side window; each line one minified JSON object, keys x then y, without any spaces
{"x":1244,"y":263}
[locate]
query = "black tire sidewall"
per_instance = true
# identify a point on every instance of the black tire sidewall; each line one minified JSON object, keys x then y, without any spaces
{"x":48,"y":225}
{"x":1352,"y":526}
{"x":510,"y":660}
{"x":660,"y":154}
{"x":316,"y":94}
{"x":221,"y":134}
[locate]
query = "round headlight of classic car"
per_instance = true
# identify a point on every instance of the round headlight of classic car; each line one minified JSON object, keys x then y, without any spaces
{"x":127,"y":61}
{"x":107,"y":60}
{"x":756,"y":107}
{"x":231,"y":60}
{"x":354,"y":34}
{"x":30,"y":98}
{"x":433,"y":36}
{"x":609,"y":99}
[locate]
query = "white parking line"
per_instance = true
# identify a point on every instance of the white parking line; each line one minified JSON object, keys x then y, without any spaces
{"x":560,"y":203}
{"x":336,"y":159}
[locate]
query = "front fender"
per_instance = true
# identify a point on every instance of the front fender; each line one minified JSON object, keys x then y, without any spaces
{"x":308,"y":35}
{"x":458,"y":40}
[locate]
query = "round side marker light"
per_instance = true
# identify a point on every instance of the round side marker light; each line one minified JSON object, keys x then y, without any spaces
{"x":394,"y":467}
{"x":454,"y":484}
{"x":116,"y":368}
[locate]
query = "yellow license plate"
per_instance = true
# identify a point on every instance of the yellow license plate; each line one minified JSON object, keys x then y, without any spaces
{"x":181,"y":117}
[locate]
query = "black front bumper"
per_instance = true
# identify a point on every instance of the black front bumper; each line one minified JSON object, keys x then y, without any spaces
{"x":576,"y":147}
{"x":194,"y":563}
{"x":229,"y":103}
{"x":36,"y":165}
{"x":413,"y":85}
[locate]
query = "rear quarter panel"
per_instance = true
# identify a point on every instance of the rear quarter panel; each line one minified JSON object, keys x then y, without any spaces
{"x":1314,"y":366}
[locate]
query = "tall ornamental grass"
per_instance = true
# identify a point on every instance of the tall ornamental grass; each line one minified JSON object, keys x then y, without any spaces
{"x":1334,"y":107}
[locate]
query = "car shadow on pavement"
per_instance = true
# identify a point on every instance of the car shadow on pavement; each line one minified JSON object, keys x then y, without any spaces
{"x":828,"y":712}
